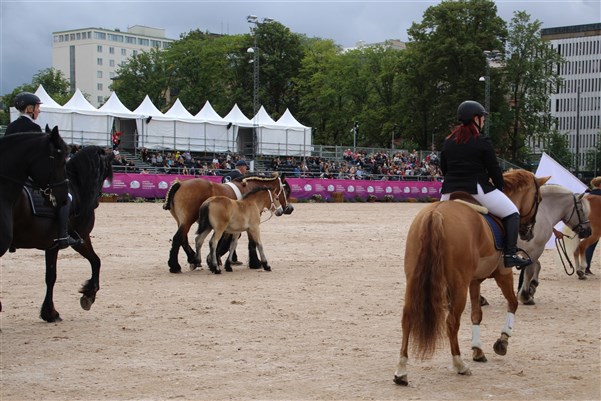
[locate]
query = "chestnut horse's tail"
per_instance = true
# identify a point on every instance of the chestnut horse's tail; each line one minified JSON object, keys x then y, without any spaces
{"x":426,"y":296}
{"x":169,"y":197}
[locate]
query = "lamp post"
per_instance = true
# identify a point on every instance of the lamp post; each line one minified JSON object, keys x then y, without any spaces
{"x":491,"y":55}
{"x":254,"y":21}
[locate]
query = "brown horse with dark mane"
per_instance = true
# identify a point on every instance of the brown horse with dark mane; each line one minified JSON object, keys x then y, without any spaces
{"x":451,"y":250}
{"x":184,"y":199}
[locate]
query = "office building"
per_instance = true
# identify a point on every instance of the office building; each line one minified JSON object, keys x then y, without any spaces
{"x":576,"y":105}
{"x":90,"y":57}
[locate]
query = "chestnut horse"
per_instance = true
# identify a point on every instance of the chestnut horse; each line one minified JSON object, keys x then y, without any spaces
{"x":184,"y":198}
{"x":450,"y":250}
{"x":221,"y":214}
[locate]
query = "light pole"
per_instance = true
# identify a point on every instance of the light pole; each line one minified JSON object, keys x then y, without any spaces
{"x":254,"y":21}
{"x":491,"y":55}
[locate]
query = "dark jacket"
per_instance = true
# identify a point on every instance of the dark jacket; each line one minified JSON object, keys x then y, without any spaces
{"x":468,"y":164}
{"x":22,"y":124}
{"x":231,"y":176}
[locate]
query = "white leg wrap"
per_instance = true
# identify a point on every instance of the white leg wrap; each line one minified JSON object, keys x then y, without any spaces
{"x":476,"y":336}
{"x":508,"y":324}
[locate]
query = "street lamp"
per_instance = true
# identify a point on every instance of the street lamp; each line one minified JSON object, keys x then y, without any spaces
{"x":491,"y":55}
{"x":254,"y":21}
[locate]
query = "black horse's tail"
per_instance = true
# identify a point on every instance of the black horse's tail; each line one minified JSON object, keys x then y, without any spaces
{"x":170,"y":193}
{"x":203,"y":218}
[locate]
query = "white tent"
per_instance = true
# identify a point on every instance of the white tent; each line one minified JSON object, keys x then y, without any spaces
{"x":283,"y":137}
{"x":153,"y":133}
{"x":122,"y":119}
{"x":216,"y":131}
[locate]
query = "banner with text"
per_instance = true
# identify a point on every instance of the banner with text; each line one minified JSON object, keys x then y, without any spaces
{"x":156,"y":186}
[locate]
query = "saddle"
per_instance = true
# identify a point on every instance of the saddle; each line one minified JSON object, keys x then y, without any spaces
{"x":40,"y":205}
{"x":494,"y":223}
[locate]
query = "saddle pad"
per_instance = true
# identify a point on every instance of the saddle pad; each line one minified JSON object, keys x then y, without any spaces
{"x":40,"y":206}
{"x":497,"y":231}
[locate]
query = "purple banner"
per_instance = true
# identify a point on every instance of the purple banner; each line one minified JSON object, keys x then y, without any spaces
{"x":156,"y":186}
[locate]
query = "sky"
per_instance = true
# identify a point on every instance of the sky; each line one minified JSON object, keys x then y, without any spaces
{"x":26,"y":26}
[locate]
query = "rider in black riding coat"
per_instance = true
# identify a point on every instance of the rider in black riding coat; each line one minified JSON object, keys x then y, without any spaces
{"x":28,"y":105}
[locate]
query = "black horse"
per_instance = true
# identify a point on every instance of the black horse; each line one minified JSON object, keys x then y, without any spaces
{"x":39,"y":156}
{"x":87,"y":170}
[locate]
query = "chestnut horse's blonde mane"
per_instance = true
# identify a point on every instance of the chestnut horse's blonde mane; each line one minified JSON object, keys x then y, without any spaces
{"x":516,"y":180}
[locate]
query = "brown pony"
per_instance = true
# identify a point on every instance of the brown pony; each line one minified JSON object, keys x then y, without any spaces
{"x":224,"y":215}
{"x":450,"y":250}
{"x":594,"y":203}
{"x":184,"y":198}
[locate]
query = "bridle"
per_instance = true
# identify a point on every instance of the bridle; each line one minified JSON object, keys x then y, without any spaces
{"x":581,"y":229}
{"x":526,"y":230}
{"x":273,"y":209}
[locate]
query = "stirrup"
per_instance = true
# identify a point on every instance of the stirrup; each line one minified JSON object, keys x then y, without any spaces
{"x":515,"y":260}
{"x":63,"y":243}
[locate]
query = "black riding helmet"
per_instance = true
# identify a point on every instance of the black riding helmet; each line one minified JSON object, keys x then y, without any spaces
{"x":468,"y":109}
{"x":24,"y":99}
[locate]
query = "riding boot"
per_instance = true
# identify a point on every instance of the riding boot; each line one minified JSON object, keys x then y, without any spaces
{"x":510,"y":256}
{"x":64,"y":240}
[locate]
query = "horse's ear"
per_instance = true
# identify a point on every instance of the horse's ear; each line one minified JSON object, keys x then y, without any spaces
{"x":55,"y":130}
{"x":47,"y":129}
{"x":543,"y":180}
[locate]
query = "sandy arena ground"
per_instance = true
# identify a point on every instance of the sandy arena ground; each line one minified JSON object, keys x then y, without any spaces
{"x":323,"y":325}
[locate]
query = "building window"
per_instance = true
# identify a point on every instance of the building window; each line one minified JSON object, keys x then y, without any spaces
{"x":111,"y":63}
{"x":111,"y":75}
{"x":99,"y":99}
{"x":98,"y":74}
{"x":99,"y":86}
{"x":98,"y":61}
{"x":111,"y":50}
{"x":143,"y":42}
{"x":99,"y":48}
{"x":130,"y":40}
{"x":123,"y":52}
{"x":134,"y":53}
{"x":78,"y":35}
{"x":100,"y":35}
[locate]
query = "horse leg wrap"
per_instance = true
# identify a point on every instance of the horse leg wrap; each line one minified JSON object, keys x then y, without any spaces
{"x":508,"y":324}
{"x":476,"y":343}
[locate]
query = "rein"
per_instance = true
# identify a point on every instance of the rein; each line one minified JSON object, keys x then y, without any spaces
{"x":535,"y":204}
{"x":578,"y":210}
{"x":561,"y":248}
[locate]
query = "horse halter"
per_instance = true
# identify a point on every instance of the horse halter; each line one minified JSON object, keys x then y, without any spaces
{"x":526,"y":230}
{"x":583,"y":228}
{"x":287,"y":207}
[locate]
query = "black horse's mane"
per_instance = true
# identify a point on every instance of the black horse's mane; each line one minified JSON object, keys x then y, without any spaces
{"x":87,"y":169}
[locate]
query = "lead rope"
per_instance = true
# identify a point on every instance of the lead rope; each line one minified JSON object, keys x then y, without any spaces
{"x":561,"y":248}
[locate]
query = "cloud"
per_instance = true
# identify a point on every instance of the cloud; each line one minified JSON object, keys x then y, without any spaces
{"x":26,"y":26}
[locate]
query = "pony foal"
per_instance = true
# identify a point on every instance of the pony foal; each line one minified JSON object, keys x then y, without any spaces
{"x":224,"y":215}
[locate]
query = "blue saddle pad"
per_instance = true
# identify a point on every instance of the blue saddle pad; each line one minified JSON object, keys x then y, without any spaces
{"x":497,"y":231}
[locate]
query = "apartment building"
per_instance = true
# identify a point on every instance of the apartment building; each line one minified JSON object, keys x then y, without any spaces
{"x":89,"y":57}
{"x":576,"y":105}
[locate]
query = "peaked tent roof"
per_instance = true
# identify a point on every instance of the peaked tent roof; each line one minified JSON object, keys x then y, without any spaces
{"x":79,"y":104}
{"x":235,"y":116}
{"x":263,"y":119}
{"x":148,"y":109}
{"x":208,"y":114}
{"x":288,"y":120}
{"x":113,"y":106}
{"x":178,"y":111}
{"x":47,"y":101}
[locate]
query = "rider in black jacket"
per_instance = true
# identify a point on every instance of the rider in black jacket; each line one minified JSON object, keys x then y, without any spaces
{"x":28,"y":105}
{"x":469,"y":164}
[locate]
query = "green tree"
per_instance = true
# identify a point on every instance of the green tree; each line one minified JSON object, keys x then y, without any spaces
{"x":556,"y":145}
{"x":530,"y":74}
{"x":147,"y":73}
{"x":54,"y":83}
{"x":443,"y":64}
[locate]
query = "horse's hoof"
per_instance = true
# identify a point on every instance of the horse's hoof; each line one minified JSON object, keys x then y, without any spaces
{"x":194,"y":266}
{"x":581,"y":275}
{"x":228,"y":268}
{"x":478,"y":355}
{"x":267,"y":268}
{"x":217,"y":271}
{"x":465,"y":372}
{"x":529,"y":302}
{"x":483,"y":301}
{"x":500,"y":347}
{"x":255,"y":267}
{"x":401,"y":380}
{"x":86,"y":302}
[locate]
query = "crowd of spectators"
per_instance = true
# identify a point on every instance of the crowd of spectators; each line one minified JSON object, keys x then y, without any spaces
{"x":360,"y":165}
{"x":381,"y":165}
